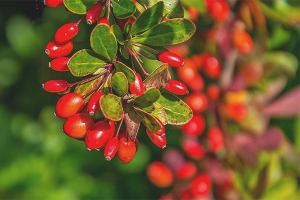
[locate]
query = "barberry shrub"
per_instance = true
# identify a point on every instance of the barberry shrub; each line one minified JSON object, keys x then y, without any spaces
{"x":110,"y":91}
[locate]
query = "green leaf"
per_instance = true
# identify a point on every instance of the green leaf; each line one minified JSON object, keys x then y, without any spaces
{"x":283,"y":189}
{"x":173,"y":31}
{"x":79,"y":6}
{"x":118,"y":34}
{"x":87,"y":87}
{"x":123,"y":9}
{"x":127,"y":30}
{"x":199,"y":5}
{"x":149,"y":97}
{"x":159,"y":77}
{"x":146,"y":52}
{"x":119,"y":83}
{"x":107,"y":85}
{"x":151,"y":123}
{"x":281,"y":62}
{"x":146,"y":107}
{"x":177,"y":111}
{"x":160,"y":113}
{"x":85,"y":62}
{"x":126,"y":70}
{"x":132,"y":121}
{"x":111,"y":107}
{"x":149,"y":18}
{"x":124,"y":52}
{"x":173,"y":8}
{"x":104,"y":42}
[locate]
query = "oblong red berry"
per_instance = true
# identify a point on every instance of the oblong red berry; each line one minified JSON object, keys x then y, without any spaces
{"x":112,"y":128}
{"x":197,"y":102}
{"x":220,"y":10}
{"x":69,"y":105}
{"x":193,"y":149}
{"x":186,"y":171}
{"x":55,"y":86}
{"x":195,"y":126}
{"x":160,"y":141}
{"x":54,"y":3}
{"x":77,"y":125}
{"x":162,"y":131}
{"x":60,"y":64}
{"x":213,"y":92}
{"x":215,"y":139}
{"x":66,"y":33}
{"x":137,"y":87}
{"x":212,"y":68}
{"x":97,"y":135}
{"x":243,"y":41}
{"x":103,"y":20}
{"x":93,"y":103}
{"x":201,"y":186}
{"x":170,"y":58}
{"x":93,"y":13}
{"x":176,"y":87}
{"x":160,"y":174}
{"x":54,"y":50}
{"x":126,"y":151}
{"x":111,"y":148}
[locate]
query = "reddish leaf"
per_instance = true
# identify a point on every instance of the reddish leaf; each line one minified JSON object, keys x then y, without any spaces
{"x":132,"y":122}
{"x":271,"y":140}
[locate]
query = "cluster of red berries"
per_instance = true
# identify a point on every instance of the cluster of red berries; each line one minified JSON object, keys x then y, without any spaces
{"x":80,"y":110}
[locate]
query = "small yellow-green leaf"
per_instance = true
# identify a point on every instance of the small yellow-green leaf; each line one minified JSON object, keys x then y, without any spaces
{"x":111,"y":107}
{"x":119,"y":83}
{"x":118,"y":34}
{"x":151,"y":122}
{"x":146,"y":107}
{"x":173,"y":8}
{"x":85,"y":62}
{"x":123,"y":8}
{"x":126,"y":70}
{"x":87,"y":87}
{"x":160,"y":113}
{"x":79,"y":6}
{"x":149,"y":97}
{"x":104,"y":42}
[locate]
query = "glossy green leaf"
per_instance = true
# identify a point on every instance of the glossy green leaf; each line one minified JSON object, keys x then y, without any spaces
{"x":132,"y":121}
{"x":159,"y":77}
{"x":104,"y":42}
{"x":123,"y":9}
{"x":173,"y":8}
{"x":127,"y":30}
{"x":111,"y":107}
{"x":79,"y":6}
{"x":160,"y":113}
{"x":85,"y":62}
{"x":173,"y":31}
{"x":87,"y":87}
{"x":283,"y":189}
{"x":107,"y":85}
{"x":149,"y":97}
{"x":149,"y":18}
{"x":281,"y":62}
{"x":126,"y":70}
{"x":146,"y":107}
{"x":177,"y":111}
{"x":119,"y":83}
{"x":146,"y":52}
{"x":118,"y":34}
{"x":151,"y":123}
{"x":124,"y":52}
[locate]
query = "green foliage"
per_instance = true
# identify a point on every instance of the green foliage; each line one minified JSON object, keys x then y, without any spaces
{"x":79,"y":6}
{"x":119,"y":83}
{"x":123,"y":9}
{"x":111,"y":107}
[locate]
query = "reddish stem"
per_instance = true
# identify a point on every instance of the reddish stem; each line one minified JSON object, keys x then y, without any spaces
{"x":123,"y":115}
{"x":77,"y":23}
{"x":136,"y":58}
{"x":157,"y":52}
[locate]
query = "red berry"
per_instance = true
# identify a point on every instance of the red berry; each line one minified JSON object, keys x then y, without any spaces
{"x":54,"y":50}
{"x":195,"y":126}
{"x":186,"y":171}
{"x":54,"y":3}
{"x":237,"y":111}
{"x":197,"y":84}
{"x":215,"y":139}
{"x":160,"y":175}
{"x":84,"y":110}
{"x":166,"y":197}
{"x":93,"y":13}
{"x":220,"y":10}
{"x":93,"y":103}
{"x":130,"y":19}
{"x":213,"y":92}
{"x":177,"y":87}
{"x":55,"y":86}
{"x":137,"y":87}
{"x":252,"y":73}
{"x":126,"y":151}
{"x":201,"y":186}
{"x":187,"y":73}
{"x":69,"y":105}
{"x":103,"y":20}
{"x":212,"y":68}
{"x":122,"y":133}
{"x":209,"y":4}
{"x":66,"y":33}
{"x":77,"y":125}
{"x":197,"y":102}
{"x":111,"y":148}
{"x":112,"y":128}
{"x":194,"y":14}
{"x":97,"y":135}
{"x":170,"y":58}
{"x":243,"y":41}
{"x":193,"y":149}
{"x":162,"y":131}
{"x":60,"y":64}
{"x":160,"y":141}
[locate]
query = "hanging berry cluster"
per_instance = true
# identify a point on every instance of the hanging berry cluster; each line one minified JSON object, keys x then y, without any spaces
{"x":111,"y":92}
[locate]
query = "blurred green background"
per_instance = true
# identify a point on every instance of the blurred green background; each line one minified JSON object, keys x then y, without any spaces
{"x":37,"y":161}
